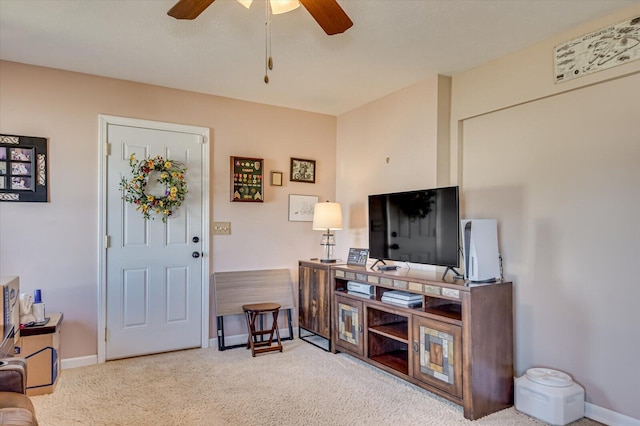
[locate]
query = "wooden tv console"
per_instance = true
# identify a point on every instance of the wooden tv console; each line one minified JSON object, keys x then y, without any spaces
{"x":458,"y":344}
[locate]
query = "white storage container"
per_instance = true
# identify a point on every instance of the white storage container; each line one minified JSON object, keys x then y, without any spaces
{"x":549,"y":395}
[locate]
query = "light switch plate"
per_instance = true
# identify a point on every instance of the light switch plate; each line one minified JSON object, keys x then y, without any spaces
{"x":221,"y":228}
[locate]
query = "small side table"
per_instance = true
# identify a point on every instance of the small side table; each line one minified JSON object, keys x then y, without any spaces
{"x":40,"y":345}
{"x":252,"y":312}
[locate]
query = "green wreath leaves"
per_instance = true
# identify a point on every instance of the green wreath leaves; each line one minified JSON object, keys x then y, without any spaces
{"x":171,"y":175}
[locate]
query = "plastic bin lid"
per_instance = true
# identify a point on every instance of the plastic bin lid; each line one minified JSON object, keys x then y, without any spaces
{"x":548,"y":377}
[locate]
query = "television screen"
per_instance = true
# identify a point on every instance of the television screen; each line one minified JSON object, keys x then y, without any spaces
{"x":415,"y":226}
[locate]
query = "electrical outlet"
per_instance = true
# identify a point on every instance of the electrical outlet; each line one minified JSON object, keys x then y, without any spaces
{"x":221,"y":228}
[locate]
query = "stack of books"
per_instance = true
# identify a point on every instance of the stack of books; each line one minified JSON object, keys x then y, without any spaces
{"x":402,"y":298}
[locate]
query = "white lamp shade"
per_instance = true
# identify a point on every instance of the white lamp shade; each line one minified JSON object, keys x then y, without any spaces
{"x":327,"y":216}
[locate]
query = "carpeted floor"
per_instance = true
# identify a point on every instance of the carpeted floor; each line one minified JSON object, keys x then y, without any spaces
{"x":301,"y":386}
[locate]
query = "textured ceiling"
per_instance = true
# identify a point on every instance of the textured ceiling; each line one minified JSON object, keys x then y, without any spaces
{"x":392,"y":44}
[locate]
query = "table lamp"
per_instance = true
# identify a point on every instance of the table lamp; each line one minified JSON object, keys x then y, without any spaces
{"x":327,"y":217}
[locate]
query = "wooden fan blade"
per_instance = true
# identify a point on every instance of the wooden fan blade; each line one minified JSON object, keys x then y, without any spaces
{"x":189,"y":9}
{"x":329,"y":15}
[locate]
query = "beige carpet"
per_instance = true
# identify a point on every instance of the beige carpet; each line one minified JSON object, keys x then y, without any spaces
{"x":302,"y":386}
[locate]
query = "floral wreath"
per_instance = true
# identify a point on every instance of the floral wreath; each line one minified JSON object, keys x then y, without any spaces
{"x":171,"y":175}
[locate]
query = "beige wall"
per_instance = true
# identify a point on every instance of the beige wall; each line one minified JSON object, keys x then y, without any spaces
{"x":557,"y":165}
{"x":54,"y":246}
{"x":390,"y":144}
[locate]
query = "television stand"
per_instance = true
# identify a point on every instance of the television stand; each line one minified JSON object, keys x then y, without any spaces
{"x":458,"y":276}
{"x":458,"y":344}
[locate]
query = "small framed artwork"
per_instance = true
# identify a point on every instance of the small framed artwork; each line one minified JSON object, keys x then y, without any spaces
{"x":303,"y":170}
{"x":247,"y":179}
{"x":276,"y":178}
{"x":301,"y":207}
{"x":23,"y":169}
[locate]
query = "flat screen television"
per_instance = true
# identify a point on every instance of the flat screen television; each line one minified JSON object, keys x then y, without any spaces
{"x":415,"y":226}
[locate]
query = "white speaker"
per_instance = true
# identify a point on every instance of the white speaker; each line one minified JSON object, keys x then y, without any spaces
{"x":480,"y":248}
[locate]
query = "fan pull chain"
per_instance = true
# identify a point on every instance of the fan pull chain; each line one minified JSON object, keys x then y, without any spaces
{"x":268,"y":65}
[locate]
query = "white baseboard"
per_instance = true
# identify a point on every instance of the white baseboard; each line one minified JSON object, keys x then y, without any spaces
{"x":238,"y":339}
{"x":78,"y":362}
{"x":608,"y":417}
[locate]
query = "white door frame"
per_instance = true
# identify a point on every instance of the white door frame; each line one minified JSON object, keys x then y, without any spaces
{"x":104,"y":121}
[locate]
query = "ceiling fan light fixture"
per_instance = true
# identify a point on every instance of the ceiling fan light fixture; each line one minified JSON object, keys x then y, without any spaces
{"x":283,"y":6}
{"x":277,"y":6}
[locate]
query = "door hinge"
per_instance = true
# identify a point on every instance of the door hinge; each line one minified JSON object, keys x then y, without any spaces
{"x":107,"y":149}
{"x":107,"y":241}
{"x":106,"y":334}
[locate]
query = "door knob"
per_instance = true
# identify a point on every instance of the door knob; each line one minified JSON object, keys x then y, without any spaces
{"x":195,"y":254}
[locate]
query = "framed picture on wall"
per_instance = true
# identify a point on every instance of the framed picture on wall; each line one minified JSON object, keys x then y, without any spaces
{"x":247,"y":183}
{"x":276,"y":178}
{"x":303,"y":170}
{"x":23,"y":169}
{"x":301,"y":207}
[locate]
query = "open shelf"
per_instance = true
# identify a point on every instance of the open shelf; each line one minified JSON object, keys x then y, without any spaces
{"x":390,"y":350}
{"x":396,"y":330}
{"x":443,"y":308}
{"x":388,"y":324}
{"x":397,"y":360}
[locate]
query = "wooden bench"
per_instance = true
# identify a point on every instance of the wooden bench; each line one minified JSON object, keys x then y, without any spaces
{"x":234,"y":289}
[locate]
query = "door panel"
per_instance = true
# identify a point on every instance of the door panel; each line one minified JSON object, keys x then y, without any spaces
{"x":134,"y":297}
{"x":177,"y":294}
{"x":153,"y":283}
{"x":438,"y":354}
{"x":349,"y":333}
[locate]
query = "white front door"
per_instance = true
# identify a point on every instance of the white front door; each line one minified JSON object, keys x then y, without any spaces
{"x":153,"y":270}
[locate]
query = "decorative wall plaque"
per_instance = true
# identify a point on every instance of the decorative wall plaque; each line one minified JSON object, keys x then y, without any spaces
{"x":247,"y":183}
{"x":23,"y":169}
{"x":606,"y":48}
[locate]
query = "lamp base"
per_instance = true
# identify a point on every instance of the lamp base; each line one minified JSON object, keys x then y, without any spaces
{"x":327,"y":260}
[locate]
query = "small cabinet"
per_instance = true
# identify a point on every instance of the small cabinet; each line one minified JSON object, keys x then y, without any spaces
{"x":314,"y":308}
{"x":349,"y":325}
{"x":40,"y":346}
{"x":437,"y":354}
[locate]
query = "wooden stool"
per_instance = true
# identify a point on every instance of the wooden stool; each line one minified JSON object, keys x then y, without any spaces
{"x":252,"y":312}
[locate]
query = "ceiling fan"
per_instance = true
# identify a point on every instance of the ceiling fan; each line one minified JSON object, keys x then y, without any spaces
{"x":327,"y":13}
